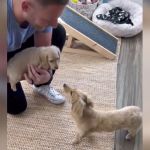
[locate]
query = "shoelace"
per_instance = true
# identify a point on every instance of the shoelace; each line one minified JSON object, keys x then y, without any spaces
{"x":50,"y":91}
{"x":54,"y":92}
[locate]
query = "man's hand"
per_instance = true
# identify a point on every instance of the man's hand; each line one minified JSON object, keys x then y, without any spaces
{"x":36,"y":75}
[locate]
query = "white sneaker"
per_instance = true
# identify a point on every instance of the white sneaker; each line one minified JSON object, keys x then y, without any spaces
{"x":50,"y":93}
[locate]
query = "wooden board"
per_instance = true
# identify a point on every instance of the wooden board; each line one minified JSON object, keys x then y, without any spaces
{"x":86,"y":31}
{"x":129,"y":86}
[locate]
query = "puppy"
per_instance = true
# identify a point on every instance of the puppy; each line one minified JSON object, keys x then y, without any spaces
{"x":42,"y":57}
{"x":89,"y":120}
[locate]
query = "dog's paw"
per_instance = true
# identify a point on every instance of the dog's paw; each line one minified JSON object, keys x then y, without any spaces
{"x":14,"y":88}
{"x":76,"y":141}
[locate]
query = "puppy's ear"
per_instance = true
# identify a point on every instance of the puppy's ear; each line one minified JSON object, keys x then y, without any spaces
{"x":87,"y":101}
{"x":44,"y":57}
{"x":74,"y":95}
{"x":47,"y":59}
{"x":78,"y":108}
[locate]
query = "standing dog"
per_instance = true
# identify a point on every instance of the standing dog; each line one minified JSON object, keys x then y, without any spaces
{"x":42,"y":57}
{"x":89,"y":120}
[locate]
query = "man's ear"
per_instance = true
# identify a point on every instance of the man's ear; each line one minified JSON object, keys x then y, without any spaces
{"x":26,"y":5}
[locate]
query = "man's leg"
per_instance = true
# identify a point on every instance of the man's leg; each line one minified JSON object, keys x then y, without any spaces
{"x":16,"y":101}
{"x":58,"y":39}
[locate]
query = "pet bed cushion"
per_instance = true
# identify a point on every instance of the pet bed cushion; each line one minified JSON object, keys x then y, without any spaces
{"x":124,"y":29}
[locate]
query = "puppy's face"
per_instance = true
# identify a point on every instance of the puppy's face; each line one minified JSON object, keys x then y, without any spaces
{"x":53,"y":62}
{"x":53,"y":58}
{"x":50,"y":57}
{"x":78,"y":100}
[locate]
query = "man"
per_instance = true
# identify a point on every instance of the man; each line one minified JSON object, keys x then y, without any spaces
{"x":33,"y":23}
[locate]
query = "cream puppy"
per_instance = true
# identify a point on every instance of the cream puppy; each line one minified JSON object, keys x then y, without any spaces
{"x":43,"y":57}
{"x":90,"y":120}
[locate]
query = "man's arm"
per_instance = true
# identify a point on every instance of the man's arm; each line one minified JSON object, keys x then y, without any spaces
{"x":35,"y":75}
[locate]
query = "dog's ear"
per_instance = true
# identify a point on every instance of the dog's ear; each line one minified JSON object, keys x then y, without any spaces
{"x":78,"y":108}
{"x":87,"y":101}
{"x":44,"y":57}
{"x":47,"y":59}
{"x":74,"y":95}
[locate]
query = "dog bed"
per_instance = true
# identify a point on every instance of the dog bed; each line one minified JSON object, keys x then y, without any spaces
{"x":124,"y":29}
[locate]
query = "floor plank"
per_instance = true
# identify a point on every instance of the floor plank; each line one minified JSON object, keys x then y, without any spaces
{"x":129,"y":86}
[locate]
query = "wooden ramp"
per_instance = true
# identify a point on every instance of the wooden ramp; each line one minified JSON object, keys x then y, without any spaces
{"x":81,"y":28}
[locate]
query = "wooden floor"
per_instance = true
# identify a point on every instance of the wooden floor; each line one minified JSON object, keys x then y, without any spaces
{"x":129,"y":86}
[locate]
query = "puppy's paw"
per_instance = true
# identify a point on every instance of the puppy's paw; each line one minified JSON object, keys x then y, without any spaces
{"x":76,"y":141}
{"x":14,"y":88}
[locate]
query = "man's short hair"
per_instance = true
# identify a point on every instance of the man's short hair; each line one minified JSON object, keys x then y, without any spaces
{"x":48,"y":2}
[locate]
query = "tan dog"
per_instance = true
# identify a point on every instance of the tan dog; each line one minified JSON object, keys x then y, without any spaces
{"x":43,"y":57}
{"x":89,"y":120}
